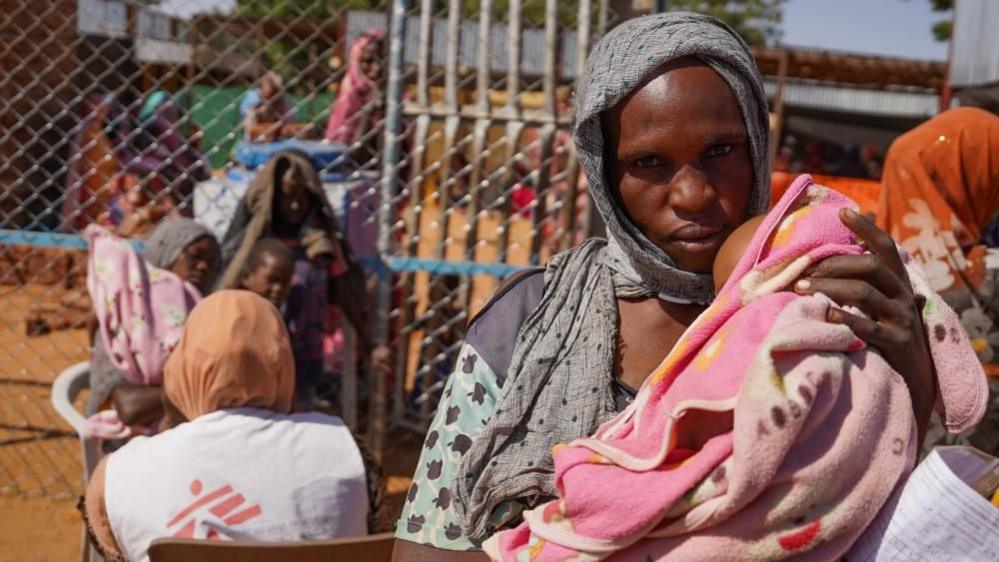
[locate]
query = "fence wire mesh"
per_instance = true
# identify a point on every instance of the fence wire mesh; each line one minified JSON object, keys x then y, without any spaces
{"x":452,"y":170}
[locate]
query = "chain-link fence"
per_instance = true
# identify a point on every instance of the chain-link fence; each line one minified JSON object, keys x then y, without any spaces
{"x":448,"y":165}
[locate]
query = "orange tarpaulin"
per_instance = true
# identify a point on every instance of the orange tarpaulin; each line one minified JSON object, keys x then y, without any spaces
{"x":864,"y":192}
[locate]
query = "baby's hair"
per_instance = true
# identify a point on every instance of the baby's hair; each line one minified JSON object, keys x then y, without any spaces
{"x":266,"y":247}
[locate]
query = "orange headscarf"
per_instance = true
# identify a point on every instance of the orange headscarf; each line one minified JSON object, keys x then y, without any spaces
{"x":941,"y":188}
{"x":235,"y":352}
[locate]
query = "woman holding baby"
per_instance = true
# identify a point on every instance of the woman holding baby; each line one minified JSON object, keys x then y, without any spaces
{"x":672,"y":132}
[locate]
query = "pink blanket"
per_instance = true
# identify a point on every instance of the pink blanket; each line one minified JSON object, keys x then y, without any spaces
{"x":813,"y":430}
{"x":141,"y":309}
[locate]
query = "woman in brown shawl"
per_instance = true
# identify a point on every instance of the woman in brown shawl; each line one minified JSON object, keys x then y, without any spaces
{"x":286,"y":201}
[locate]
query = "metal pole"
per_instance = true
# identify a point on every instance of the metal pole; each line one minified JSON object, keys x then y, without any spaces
{"x":583,"y":27}
{"x":778,"y":107}
{"x":479,"y":134}
{"x":602,"y":19}
{"x":448,"y":181}
{"x":416,"y":203}
{"x":547,"y":133}
{"x":390,"y":172}
{"x":515,"y":125}
{"x":946,"y":91}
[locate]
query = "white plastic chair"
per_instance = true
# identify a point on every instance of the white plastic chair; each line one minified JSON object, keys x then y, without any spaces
{"x":65,"y":389}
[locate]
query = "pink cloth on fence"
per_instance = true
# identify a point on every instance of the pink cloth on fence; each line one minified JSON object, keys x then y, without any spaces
{"x":823,"y":428}
{"x":141,"y":309}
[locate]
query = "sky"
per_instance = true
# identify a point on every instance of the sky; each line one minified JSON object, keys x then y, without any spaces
{"x":899,"y":28}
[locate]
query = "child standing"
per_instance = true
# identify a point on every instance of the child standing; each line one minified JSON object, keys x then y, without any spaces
{"x":286,"y":201}
{"x":269,"y":272}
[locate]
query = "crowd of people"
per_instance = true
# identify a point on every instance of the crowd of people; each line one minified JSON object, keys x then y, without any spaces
{"x":817,"y":157}
{"x":722,"y":374}
{"x":135,"y":160}
{"x":188,"y":327}
{"x":131,"y":163}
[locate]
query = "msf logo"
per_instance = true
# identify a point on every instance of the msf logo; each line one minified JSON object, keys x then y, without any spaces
{"x":223,"y":504}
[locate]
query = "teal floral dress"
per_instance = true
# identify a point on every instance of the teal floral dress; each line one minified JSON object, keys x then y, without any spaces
{"x":466,"y":406}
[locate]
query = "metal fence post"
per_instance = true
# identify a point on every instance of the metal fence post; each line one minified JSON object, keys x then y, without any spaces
{"x":389,"y":180}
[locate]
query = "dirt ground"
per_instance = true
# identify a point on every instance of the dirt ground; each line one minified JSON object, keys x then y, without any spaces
{"x":40,"y":474}
{"x":40,"y":530}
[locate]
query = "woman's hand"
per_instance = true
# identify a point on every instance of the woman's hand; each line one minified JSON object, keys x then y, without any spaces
{"x":877,"y":284}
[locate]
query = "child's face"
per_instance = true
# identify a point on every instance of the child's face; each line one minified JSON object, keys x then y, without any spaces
{"x":293,"y":200}
{"x":271,"y":280}
{"x":198,"y":263}
{"x":371,"y":61}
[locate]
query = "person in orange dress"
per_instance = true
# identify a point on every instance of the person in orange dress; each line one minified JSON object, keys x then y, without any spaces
{"x":92,"y":167}
{"x":940,"y":201}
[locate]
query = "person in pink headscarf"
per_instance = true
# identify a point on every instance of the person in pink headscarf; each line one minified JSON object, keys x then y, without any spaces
{"x":358,"y":105}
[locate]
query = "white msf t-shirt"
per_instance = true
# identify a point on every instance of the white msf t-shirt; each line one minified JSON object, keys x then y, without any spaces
{"x":239,"y":474}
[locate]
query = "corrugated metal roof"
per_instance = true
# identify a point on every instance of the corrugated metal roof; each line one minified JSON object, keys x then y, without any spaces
{"x":975,"y":56}
{"x":858,"y":69}
{"x":148,"y":49}
{"x":110,"y":18}
{"x":532,"y":49}
{"x":856,"y":100}
{"x":154,"y":24}
{"x":102,"y":17}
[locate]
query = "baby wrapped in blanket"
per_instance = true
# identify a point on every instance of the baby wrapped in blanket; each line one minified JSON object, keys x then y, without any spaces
{"x":767,"y":433}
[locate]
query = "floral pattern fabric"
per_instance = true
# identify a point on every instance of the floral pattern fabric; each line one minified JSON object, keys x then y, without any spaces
{"x":140,"y":308}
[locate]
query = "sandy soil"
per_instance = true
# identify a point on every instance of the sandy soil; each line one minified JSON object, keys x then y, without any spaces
{"x":40,"y":530}
{"x":40,"y":474}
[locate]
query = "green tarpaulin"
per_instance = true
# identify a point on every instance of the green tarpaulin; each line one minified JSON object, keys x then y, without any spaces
{"x":216,"y":112}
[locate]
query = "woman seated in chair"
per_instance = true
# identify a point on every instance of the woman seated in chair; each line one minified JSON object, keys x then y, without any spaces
{"x":235,"y":465}
{"x":140,"y":303}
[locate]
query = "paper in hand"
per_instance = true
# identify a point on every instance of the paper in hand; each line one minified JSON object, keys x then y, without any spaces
{"x":937,"y":515}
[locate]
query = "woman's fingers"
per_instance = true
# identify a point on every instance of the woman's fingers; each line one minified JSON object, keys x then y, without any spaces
{"x":881,"y":336}
{"x":867,"y":267}
{"x":853,"y":292}
{"x":877,"y":240}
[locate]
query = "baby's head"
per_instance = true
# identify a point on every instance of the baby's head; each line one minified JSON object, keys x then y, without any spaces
{"x":268,"y":271}
{"x":732,"y":250}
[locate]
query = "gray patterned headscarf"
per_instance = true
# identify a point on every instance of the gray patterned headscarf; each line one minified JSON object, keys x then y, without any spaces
{"x":624,"y":60}
{"x":558,"y":386}
{"x":170,"y":237}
